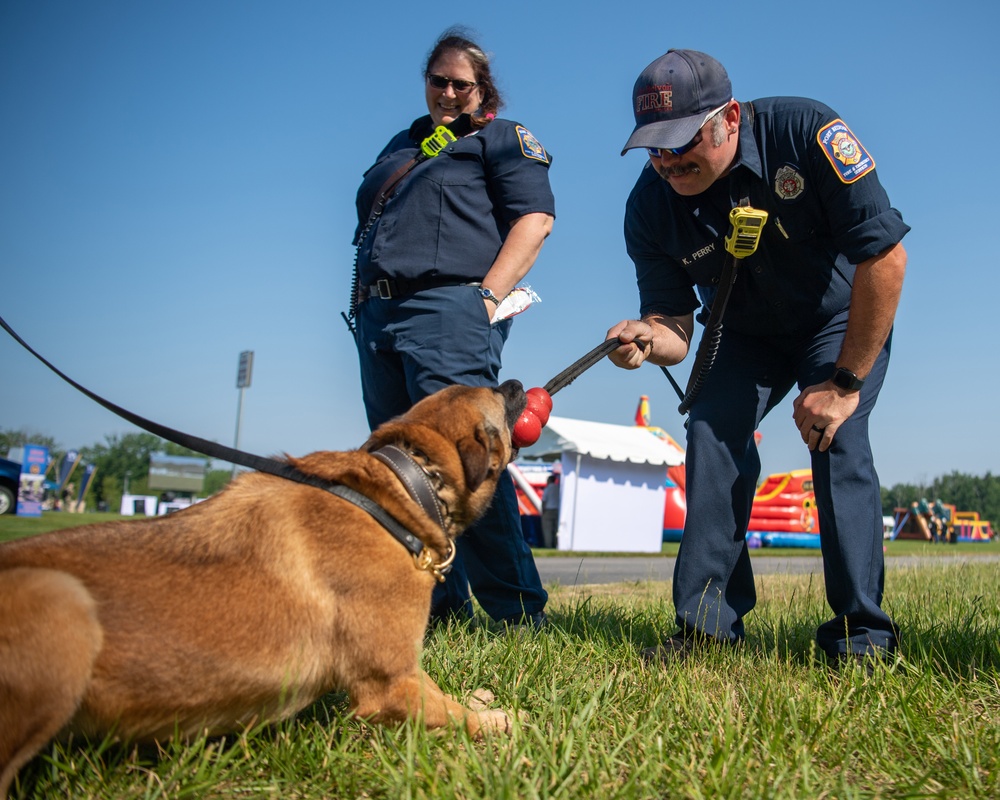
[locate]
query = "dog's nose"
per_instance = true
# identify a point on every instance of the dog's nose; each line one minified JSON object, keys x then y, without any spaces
{"x":512,"y":388}
{"x":514,"y":398}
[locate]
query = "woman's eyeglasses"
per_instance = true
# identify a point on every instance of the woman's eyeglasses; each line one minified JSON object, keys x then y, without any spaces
{"x":460,"y":87}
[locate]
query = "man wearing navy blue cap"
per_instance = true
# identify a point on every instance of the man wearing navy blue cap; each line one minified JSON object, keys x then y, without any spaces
{"x":812,"y":307}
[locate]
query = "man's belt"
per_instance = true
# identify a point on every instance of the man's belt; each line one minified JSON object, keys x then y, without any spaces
{"x":392,"y":288}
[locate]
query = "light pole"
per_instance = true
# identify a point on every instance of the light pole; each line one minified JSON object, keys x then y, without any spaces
{"x":244,"y":373}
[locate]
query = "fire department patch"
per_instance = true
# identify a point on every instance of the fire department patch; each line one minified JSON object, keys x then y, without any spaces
{"x":530,"y":146}
{"x":844,"y":151}
{"x":788,"y":183}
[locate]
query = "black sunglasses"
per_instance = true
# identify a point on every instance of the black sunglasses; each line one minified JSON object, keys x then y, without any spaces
{"x":657,"y":152}
{"x":441,"y":82}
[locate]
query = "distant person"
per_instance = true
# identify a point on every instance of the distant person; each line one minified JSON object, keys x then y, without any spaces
{"x":458,"y":233}
{"x":811,"y":310}
{"x":550,"y":511}
{"x":942,"y":521}
{"x":66,"y":498}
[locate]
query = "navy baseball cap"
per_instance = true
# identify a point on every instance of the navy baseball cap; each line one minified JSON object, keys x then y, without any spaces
{"x":674,"y":96}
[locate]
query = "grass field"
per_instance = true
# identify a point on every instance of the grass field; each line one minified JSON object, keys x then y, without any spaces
{"x":769,"y":720}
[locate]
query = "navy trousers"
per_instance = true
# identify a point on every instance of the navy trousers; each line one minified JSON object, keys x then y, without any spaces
{"x":410,"y":348}
{"x":713,"y":580}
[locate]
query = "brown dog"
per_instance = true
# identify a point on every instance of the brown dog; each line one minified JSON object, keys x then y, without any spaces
{"x":251,"y":605}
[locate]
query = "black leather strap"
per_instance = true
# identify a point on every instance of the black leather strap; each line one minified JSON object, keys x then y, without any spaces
{"x":581,"y":365}
{"x":417,"y":482}
{"x":383,"y":517}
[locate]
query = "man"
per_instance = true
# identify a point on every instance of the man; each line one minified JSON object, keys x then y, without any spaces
{"x":550,"y":511}
{"x":812,"y":307}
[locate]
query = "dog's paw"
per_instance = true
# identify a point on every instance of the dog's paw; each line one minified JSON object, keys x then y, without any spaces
{"x":480,"y":699}
{"x":495,"y":721}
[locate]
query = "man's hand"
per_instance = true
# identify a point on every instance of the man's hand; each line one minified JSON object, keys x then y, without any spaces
{"x":636,"y":339}
{"x":820,"y":410}
{"x":656,"y":338}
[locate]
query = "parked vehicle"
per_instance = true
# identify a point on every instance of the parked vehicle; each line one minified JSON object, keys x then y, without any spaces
{"x":10,"y":475}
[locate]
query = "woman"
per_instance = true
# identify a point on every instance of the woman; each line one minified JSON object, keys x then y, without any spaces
{"x":458,"y":231}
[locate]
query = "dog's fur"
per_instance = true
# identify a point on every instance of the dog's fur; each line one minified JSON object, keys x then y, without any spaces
{"x":251,"y":605}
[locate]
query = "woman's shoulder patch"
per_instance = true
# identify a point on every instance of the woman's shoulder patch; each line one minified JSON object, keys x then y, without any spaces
{"x":530,"y":146}
{"x":844,"y":152}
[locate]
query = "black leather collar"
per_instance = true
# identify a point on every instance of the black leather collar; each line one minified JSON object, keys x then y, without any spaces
{"x":415,"y":479}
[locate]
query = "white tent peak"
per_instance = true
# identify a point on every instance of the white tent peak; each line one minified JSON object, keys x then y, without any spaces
{"x":602,"y":440}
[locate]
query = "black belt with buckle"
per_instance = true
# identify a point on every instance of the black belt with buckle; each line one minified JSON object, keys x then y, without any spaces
{"x":392,"y":288}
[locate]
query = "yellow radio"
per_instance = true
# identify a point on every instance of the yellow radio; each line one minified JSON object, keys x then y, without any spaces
{"x":747,"y":225}
{"x":438,"y":141}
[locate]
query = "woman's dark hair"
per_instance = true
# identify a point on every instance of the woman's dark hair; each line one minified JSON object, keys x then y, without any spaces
{"x":457,"y":40}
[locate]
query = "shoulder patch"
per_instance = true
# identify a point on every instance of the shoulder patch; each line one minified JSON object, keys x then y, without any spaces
{"x":788,"y":182}
{"x":844,"y":151}
{"x":530,"y":146}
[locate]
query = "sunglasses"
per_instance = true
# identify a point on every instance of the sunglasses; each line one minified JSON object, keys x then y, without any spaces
{"x":657,"y":152}
{"x":441,"y":82}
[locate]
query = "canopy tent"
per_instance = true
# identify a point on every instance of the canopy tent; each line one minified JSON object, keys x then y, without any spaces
{"x":613,"y":477}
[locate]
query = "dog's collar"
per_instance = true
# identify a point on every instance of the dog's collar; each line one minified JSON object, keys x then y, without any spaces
{"x":417,"y":481}
{"x":415,"y":478}
{"x":421,"y":555}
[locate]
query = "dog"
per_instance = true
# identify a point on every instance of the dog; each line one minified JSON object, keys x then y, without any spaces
{"x":247,"y":607}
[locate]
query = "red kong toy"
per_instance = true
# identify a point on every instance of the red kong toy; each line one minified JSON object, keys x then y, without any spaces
{"x":539,"y":404}
{"x":529,"y":425}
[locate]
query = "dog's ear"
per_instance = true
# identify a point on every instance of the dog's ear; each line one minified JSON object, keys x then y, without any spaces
{"x":475,"y":454}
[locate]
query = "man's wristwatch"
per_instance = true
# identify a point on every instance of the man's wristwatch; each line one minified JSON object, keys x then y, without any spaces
{"x":488,"y":295}
{"x":848,"y":381}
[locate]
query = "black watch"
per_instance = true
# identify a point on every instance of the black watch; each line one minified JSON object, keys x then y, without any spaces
{"x":848,"y":381}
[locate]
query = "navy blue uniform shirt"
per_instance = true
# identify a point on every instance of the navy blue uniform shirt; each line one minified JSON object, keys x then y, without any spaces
{"x":450,"y":216}
{"x":827,"y":212}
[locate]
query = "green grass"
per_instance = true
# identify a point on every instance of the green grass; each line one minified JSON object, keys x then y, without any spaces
{"x":14,"y":527}
{"x":769,"y":720}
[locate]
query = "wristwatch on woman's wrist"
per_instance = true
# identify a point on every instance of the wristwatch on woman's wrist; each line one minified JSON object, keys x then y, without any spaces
{"x":488,"y":295}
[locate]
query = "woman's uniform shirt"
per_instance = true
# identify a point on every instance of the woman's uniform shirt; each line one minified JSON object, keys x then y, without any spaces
{"x":450,"y":216}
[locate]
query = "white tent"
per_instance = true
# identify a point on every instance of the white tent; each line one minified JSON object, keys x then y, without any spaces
{"x":612,"y":485}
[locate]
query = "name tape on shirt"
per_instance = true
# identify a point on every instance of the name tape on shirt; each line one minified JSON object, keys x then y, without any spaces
{"x":844,"y":151}
{"x":530,"y":146}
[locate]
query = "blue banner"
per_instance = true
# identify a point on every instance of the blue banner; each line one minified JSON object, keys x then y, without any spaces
{"x":85,"y":479}
{"x":66,"y":467}
{"x":31,"y":489}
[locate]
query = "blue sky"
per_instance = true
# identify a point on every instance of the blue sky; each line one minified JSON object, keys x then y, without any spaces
{"x":177,"y":185}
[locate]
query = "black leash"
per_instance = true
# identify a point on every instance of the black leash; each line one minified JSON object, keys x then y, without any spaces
{"x":578,"y":367}
{"x":270,"y":466}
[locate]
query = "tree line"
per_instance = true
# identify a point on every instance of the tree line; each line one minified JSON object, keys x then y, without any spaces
{"x":124,"y":459}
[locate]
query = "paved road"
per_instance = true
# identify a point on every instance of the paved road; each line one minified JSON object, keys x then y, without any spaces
{"x":569,"y":571}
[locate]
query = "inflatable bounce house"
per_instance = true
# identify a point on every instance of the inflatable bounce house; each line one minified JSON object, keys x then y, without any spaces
{"x":784,"y":511}
{"x":941,"y":522}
